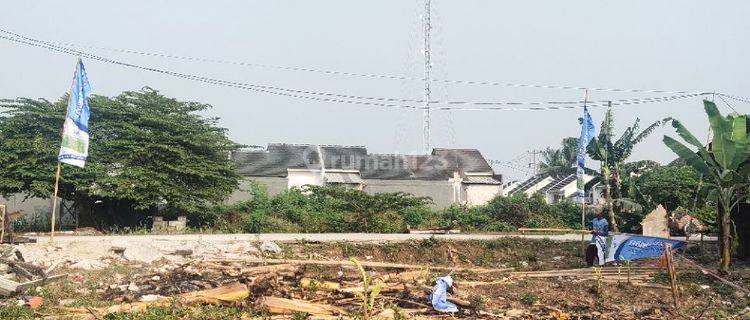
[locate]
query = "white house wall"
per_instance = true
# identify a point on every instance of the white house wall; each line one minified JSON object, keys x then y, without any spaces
{"x":301,"y":178}
{"x":479,"y":194}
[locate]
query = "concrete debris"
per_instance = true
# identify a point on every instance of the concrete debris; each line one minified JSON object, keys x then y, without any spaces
{"x":655,"y":224}
{"x":88,"y":264}
{"x":270,"y":247}
{"x":145,"y":253}
{"x":150,"y":297}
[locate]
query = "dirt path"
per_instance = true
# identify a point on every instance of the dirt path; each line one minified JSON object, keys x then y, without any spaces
{"x":314,"y":237}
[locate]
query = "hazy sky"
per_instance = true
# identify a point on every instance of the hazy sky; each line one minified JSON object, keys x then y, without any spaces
{"x":685,"y":45}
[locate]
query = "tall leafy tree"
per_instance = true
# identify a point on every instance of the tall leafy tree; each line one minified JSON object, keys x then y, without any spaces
{"x":560,"y":162}
{"x":147,"y":150}
{"x":724,"y":164}
{"x":612,"y":154}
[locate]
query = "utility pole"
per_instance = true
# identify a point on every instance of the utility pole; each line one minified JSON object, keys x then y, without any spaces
{"x":427,"y":79}
{"x":533,"y":164}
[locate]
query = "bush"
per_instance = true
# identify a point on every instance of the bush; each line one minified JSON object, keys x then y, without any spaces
{"x":318,"y":209}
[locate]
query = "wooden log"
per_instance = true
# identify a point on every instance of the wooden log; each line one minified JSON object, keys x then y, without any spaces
{"x":229,"y":293}
{"x":291,"y":306}
{"x":308,"y":283}
{"x":269,"y":269}
{"x":370,"y":264}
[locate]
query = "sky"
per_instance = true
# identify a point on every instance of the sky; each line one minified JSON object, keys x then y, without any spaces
{"x":685,"y":45}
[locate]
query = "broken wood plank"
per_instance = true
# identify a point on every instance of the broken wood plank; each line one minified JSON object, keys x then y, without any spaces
{"x":33,"y":283}
{"x":370,"y":264}
{"x":291,"y":306}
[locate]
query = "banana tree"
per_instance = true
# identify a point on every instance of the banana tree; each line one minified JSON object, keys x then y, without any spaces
{"x":723,"y":164}
{"x":612,"y":154}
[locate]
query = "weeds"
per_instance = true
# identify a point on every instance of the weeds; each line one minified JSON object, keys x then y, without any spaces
{"x":368,"y":295}
{"x":529,"y":298}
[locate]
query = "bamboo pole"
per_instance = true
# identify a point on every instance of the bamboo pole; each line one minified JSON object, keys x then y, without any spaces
{"x":54,"y":202}
{"x":583,"y":199}
{"x":672,"y":274}
{"x":59,"y":165}
{"x":3,"y":211}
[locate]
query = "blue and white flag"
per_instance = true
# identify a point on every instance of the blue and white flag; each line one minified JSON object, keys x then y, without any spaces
{"x":587,"y":133}
{"x":625,"y":247}
{"x":75,"y":138}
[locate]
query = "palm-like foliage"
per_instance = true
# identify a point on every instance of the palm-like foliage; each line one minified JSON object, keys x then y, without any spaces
{"x":612,"y":154}
{"x":560,"y":162}
{"x":724,"y":165}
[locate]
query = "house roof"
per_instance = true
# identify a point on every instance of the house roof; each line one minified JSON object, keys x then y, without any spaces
{"x":438,"y":165}
{"x":466,"y":160}
{"x":343,"y":177}
{"x":559,"y":184}
{"x":481,"y":180}
{"x":529,"y":183}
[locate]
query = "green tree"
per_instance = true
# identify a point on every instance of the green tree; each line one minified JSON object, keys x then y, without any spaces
{"x":724,"y":165}
{"x":560,"y":162}
{"x":147,"y":150}
{"x":612,"y":154}
{"x":670,"y":186}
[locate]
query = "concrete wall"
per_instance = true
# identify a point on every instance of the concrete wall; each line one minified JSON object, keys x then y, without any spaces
{"x":479,"y":194}
{"x":441,"y":192}
{"x":274,"y":185}
{"x":31,"y":206}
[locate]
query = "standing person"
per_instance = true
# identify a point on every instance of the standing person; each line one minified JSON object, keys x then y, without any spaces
{"x":599,"y":227}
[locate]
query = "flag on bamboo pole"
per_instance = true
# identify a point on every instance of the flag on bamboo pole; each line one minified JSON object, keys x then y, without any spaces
{"x":587,"y":133}
{"x":74,"y":148}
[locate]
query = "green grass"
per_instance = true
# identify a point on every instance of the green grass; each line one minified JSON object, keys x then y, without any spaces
{"x":179,"y":313}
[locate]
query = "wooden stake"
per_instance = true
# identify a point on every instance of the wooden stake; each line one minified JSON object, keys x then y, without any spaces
{"x":629,"y":269}
{"x":672,"y":273}
{"x":3,"y":210}
{"x":54,"y":203}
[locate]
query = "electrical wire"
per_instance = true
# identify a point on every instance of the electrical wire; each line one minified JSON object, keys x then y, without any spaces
{"x":340,"y":98}
{"x":355,"y":74}
{"x":257,"y":88}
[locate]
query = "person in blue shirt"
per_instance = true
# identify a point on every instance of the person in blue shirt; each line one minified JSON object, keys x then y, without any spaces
{"x":599,"y":227}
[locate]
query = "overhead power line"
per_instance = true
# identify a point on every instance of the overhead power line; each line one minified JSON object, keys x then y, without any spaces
{"x":349,"y":99}
{"x":353,"y":74}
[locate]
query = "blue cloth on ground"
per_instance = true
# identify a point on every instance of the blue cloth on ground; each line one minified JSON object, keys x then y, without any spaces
{"x":439,"y":296}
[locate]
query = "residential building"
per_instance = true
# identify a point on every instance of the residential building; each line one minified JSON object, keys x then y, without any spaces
{"x":557,"y":188}
{"x":447,"y":176}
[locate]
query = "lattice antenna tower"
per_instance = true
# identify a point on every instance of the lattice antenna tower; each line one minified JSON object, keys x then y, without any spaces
{"x":427,"y":79}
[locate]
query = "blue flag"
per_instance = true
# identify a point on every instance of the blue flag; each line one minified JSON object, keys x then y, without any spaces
{"x":588,"y":130}
{"x":74,"y":148}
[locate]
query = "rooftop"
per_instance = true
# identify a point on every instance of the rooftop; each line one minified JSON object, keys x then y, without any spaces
{"x":438,"y":165}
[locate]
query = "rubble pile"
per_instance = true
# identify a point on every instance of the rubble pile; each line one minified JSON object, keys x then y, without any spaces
{"x":17,"y":275}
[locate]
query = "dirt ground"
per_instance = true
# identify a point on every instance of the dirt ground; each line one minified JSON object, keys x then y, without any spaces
{"x":510,"y":278}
